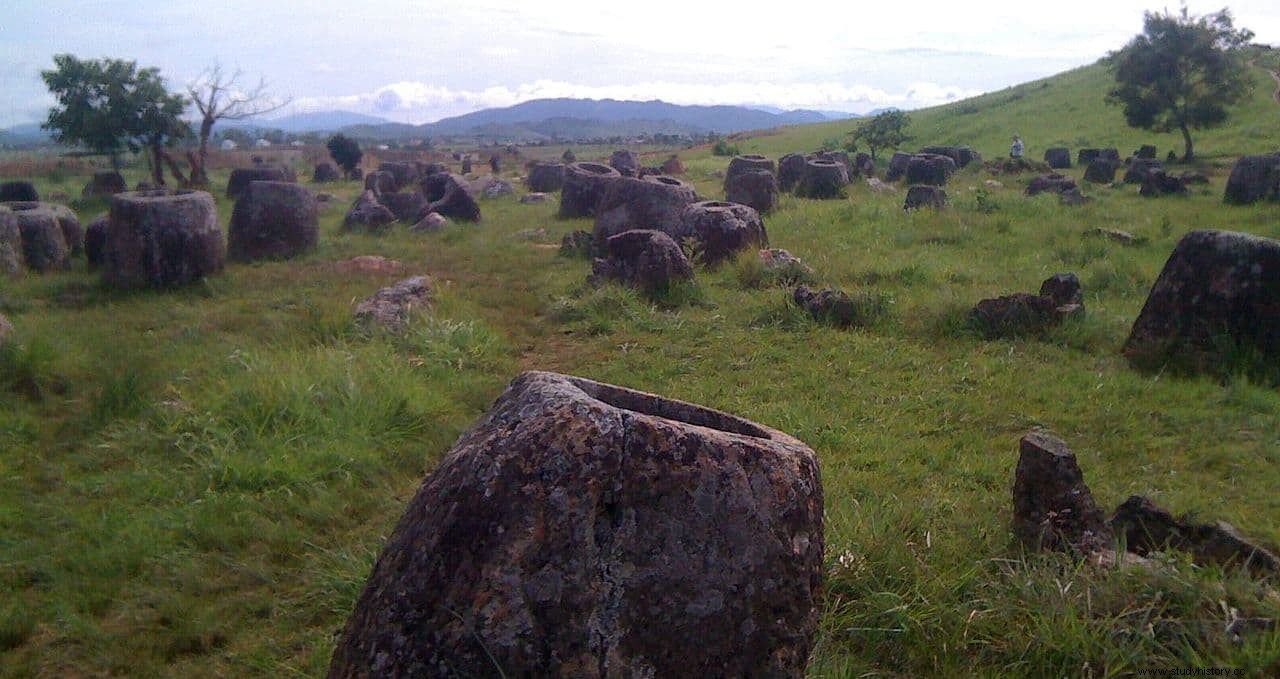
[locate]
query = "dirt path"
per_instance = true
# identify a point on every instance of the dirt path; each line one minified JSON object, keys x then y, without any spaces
{"x":1275,"y":75}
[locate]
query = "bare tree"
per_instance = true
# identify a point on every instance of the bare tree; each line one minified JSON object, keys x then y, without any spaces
{"x":218,"y":96}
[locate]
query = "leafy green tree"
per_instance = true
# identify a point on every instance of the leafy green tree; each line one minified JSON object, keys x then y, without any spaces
{"x":110,"y":105}
{"x":1181,"y":72}
{"x":345,"y":151}
{"x":887,"y":130}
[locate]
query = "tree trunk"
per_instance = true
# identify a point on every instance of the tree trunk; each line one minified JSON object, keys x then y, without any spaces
{"x":199,"y":177}
{"x":1186,"y":137}
{"x":157,"y":168}
{"x":173,"y":167}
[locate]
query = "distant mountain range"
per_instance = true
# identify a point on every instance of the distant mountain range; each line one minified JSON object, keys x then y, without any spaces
{"x":540,"y":119}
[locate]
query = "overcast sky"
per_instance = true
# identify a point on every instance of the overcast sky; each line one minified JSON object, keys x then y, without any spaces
{"x":420,"y":61}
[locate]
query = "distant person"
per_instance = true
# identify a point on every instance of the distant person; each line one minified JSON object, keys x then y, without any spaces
{"x":1015,"y":151}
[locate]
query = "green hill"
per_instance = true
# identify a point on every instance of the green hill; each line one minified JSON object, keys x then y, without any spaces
{"x":1067,"y":109}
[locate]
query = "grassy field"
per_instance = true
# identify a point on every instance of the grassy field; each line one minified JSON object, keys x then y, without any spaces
{"x":1063,"y":110}
{"x":196,"y":483}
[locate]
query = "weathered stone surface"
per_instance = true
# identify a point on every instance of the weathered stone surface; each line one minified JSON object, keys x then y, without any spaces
{"x":1121,"y":237}
{"x":1219,"y":292}
{"x":1189,"y":177}
{"x":241,"y":176}
{"x":878,"y":186}
{"x":1051,"y":183}
{"x":1101,"y":171}
{"x":1064,"y":289}
{"x":380,"y":182}
{"x":931,"y":169}
{"x":427,"y":169}
{"x":1053,"y":508}
{"x":356,"y":174}
{"x":545,"y":177}
{"x":1254,"y":178}
{"x":95,"y":240}
{"x":627,"y":163}
{"x":493,"y":187}
{"x":790,"y":171}
{"x":1087,"y":156}
{"x":18,"y":191}
{"x":68,"y":221}
{"x":1139,"y":168}
{"x":962,"y":155}
{"x":584,"y":186}
{"x":923,"y":195}
{"x":1058,"y":158}
{"x":104,"y":183}
{"x":11,"y":257}
{"x":822,"y":179}
{"x":577,"y":244}
{"x":756,"y":188}
{"x":368,"y":214}
{"x":392,"y":307}
{"x":370,"y":264}
{"x":1017,"y":314}
{"x":162,"y":238}
{"x":649,"y":203}
{"x":642,"y":258}
{"x":407,"y":206}
{"x":827,"y":305}
{"x":723,"y":229}
{"x":785,"y":266}
{"x":534,"y":198}
{"x":863,"y":165}
{"x":430,"y":222}
{"x":1021,"y":165}
{"x":587,"y":530}
{"x":44,"y":242}
{"x":455,"y":201}
{"x":897,"y":166}
{"x":747,"y":163}
{"x":1147,"y":528}
{"x":403,"y":174}
{"x":672,"y":166}
{"x":841,"y":157}
{"x":273,"y":220}
{"x":495,"y":163}
{"x":325,"y":172}
{"x":1159,"y":183}
{"x":1145,"y":152}
{"x":1073,"y":197}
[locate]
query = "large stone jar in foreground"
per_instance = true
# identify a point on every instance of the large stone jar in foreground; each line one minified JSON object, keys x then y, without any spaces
{"x":1216,"y":302}
{"x":583,"y":529}
{"x":162,"y":238}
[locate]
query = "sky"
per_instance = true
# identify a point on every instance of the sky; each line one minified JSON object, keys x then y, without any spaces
{"x":421,"y":61}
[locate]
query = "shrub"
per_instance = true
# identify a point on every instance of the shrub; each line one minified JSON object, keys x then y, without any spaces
{"x":724,"y":148}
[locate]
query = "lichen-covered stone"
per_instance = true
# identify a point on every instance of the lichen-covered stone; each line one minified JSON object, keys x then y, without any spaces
{"x":11,"y":259}
{"x":1218,"y":294}
{"x":649,"y":203}
{"x":1053,"y":508}
{"x":44,"y":243}
{"x":273,"y":220}
{"x":584,"y":186}
{"x":644,"y":259}
{"x":723,"y":229}
{"x":583,"y":529}
{"x":162,"y":238}
{"x":756,"y":188}
{"x":392,"y":307}
{"x":923,"y":195}
{"x":545,"y":177}
{"x":368,"y":214}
